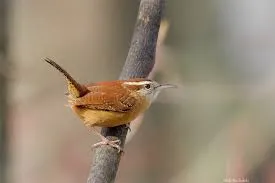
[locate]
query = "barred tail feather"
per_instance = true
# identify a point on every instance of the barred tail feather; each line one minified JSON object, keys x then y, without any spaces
{"x":74,"y":88}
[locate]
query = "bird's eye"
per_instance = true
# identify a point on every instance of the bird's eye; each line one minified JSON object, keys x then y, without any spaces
{"x":147,"y":86}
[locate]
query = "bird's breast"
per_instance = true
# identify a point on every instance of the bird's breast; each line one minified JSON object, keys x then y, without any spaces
{"x":104,"y":118}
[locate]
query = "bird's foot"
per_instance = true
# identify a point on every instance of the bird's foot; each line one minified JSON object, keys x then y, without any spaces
{"x":113,"y":143}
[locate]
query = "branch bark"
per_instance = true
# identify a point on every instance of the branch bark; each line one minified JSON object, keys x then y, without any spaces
{"x":139,"y":63}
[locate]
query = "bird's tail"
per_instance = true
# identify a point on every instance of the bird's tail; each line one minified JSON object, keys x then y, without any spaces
{"x":75,"y":89}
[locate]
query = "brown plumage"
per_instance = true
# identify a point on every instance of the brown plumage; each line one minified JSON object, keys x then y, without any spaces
{"x":111,"y":103}
{"x":103,"y":104}
{"x":74,"y":88}
{"x":108,"y":104}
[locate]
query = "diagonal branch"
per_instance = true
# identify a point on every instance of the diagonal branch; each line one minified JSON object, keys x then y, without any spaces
{"x":139,"y":63}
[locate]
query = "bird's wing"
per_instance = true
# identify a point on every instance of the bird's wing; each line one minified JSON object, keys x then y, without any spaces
{"x":105,"y":98}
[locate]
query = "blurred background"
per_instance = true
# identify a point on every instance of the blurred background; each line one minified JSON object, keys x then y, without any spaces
{"x":218,"y":126}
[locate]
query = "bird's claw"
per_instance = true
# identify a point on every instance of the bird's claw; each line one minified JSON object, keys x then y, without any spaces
{"x":113,"y":143}
{"x":127,"y":126}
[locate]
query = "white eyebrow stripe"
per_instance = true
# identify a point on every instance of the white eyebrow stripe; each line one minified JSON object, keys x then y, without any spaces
{"x":137,"y":83}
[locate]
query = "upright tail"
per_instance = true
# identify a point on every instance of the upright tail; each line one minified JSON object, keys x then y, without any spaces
{"x":74,"y":88}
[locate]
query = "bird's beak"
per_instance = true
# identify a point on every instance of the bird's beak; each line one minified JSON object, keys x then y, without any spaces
{"x":163,"y":86}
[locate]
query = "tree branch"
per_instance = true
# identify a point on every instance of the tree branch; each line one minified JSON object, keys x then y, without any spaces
{"x":139,"y":63}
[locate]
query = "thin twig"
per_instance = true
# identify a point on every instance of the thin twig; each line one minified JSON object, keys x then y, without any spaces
{"x":139,"y":63}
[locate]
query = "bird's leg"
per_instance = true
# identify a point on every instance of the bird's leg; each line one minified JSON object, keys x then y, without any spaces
{"x":113,"y":143}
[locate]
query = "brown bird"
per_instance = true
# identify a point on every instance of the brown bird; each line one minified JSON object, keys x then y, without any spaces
{"x":110,"y":103}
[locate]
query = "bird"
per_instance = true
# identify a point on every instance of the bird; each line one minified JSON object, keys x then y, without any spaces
{"x":109,"y":103}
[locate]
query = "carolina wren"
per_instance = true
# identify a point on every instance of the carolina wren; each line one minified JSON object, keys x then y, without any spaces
{"x":110,"y":103}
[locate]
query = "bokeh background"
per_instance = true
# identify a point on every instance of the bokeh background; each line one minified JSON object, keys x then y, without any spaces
{"x":218,"y":126}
